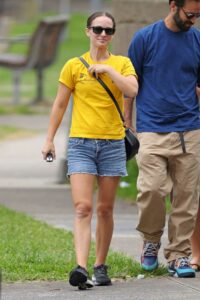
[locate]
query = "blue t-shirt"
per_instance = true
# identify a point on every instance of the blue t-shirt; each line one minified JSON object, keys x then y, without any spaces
{"x":168,"y":66}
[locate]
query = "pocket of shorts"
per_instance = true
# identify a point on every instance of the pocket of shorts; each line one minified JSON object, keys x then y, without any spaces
{"x":73,"y":142}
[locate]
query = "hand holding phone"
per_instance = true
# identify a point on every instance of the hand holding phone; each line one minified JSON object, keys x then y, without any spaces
{"x":49,"y":157}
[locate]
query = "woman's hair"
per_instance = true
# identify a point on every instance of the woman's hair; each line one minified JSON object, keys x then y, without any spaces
{"x":99,"y":14}
{"x":180,"y":3}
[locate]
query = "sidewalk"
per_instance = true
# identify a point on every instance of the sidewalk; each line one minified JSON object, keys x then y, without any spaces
{"x":29,"y":184}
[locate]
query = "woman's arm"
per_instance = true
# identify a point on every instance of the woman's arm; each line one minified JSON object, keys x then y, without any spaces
{"x":57,"y":112}
{"x":128,"y":85}
{"x":128,"y":112}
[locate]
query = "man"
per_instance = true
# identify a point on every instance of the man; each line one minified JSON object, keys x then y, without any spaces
{"x":166,"y":56}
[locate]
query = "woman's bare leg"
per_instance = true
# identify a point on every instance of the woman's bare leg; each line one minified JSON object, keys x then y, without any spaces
{"x":82,"y":193}
{"x":105,"y":203}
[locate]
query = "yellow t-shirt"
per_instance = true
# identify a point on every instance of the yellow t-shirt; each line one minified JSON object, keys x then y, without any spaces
{"x":94,"y":114}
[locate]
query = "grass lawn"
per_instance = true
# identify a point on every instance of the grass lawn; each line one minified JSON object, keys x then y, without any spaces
{"x":20,"y":110}
{"x":10,"y":132}
{"x":32,"y":250}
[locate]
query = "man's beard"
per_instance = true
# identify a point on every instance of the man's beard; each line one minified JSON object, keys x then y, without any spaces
{"x":182,"y":25}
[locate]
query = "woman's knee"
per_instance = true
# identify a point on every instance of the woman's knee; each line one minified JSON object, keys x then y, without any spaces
{"x":104,"y":211}
{"x":83,"y":210}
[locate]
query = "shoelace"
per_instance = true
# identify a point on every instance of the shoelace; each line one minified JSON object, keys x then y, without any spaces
{"x":102,"y":269}
{"x":151,"y":249}
{"x":183,"y":262}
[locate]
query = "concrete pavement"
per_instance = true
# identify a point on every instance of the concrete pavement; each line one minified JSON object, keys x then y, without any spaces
{"x":29,"y":184}
{"x":151,"y":289}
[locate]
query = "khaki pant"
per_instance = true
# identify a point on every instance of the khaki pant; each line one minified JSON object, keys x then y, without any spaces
{"x":163,"y":165}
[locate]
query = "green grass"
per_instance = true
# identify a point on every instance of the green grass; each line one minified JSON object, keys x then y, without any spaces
{"x":18,"y":109}
{"x":10,"y":132}
{"x":32,"y":250}
{"x":6,"y":130}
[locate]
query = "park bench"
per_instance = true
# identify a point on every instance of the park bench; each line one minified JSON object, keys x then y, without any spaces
{"x":42,"y":49}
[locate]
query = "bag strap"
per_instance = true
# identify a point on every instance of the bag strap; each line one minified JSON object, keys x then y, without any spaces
{"x":106,"y":88}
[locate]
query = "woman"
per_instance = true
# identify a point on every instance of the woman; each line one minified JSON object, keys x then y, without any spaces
{"x":96,"y":148}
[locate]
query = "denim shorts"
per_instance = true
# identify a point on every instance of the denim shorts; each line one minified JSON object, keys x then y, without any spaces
{"x":96,"y":156}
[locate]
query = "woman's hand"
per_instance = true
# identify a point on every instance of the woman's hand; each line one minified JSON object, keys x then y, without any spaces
{"x":48,"y":148}
{"x":128,"y":85}
{"x":98,"y":69}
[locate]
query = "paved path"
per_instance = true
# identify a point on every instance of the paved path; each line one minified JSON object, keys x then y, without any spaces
{"x":29,"y":184}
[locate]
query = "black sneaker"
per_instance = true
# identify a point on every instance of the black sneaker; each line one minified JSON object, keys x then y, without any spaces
{"x":79,"y":277}
{"x":100,"y":276}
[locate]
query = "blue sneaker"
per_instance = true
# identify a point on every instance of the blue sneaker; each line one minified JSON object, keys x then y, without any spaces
{"x":149,"y":257}
{"x":181,"y":268}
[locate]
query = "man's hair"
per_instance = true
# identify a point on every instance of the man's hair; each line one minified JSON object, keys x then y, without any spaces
{"x":180,"y":3}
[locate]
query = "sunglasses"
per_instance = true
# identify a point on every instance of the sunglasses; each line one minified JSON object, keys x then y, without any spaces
{"x":191,"y":15}
{"x":99,"y":30}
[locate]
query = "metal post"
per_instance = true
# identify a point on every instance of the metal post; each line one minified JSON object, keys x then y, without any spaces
{"x":39,"y":95}
{"x":16,"y":84}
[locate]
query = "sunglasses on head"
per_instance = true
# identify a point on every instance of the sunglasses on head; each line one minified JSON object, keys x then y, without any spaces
{"x":99,"y":30}
{"x":191,"y":15}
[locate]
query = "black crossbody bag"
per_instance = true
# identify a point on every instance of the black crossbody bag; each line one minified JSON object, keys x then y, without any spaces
{"x":131,"y":141}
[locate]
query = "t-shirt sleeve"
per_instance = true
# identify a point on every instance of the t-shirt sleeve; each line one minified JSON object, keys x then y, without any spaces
{"x":128,"y":68}
{"x":136,"y":52}
{"x":66,"y":75}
